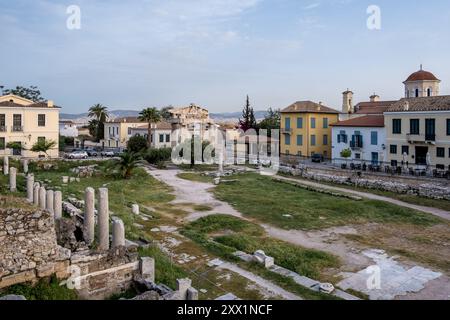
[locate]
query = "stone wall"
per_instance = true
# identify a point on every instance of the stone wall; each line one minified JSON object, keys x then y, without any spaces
{"x":434,"y":190}
{"x":28,"y":249}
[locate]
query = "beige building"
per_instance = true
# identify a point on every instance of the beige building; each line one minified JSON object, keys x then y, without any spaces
{"x":418,"y":129}
{"x":118,"y":131}
{"x":161,"y":134}
{"x":192,"y":121}
{"x":24,"y":122}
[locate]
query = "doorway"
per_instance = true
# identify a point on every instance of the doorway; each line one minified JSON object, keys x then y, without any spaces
{"x":421,"y":155}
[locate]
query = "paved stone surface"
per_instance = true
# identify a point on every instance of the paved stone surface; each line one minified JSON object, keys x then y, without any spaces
{"x":395,"y":279}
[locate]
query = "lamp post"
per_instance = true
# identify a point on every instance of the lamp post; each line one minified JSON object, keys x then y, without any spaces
{"x":1,"y":88}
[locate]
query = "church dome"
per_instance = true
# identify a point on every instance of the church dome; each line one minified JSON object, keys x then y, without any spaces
{"x":422,"y":75}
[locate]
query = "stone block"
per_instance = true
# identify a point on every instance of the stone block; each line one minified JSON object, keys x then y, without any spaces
{"x":147,"y":268}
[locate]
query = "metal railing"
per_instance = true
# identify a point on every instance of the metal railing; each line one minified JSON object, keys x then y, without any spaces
{"x":3,"y":128}
{"x":17,"y":129}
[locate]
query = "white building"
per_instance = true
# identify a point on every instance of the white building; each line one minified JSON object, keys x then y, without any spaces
{"x":68,"y":128}
{"x":161,"y":134}
{"x":365,"y":136}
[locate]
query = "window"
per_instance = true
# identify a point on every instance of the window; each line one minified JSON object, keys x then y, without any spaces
{"x":357,"y":155}
{"x":405,"y":149}
{"x":41,"y":120}
{"x":299,"y":153}
{"x":394,"y":163}
{"x":430,"y":129}
{"x":396,"y":126}
{"x":161,"y":138}
{"x":374,"y":138}
{"x":287,"y":152}
{"x":357,"y":140}
{"x":17,"y":122}
{"x":393,"y":149}
{"x":299,"y":140}
{"x":41,"y":139}
{"x":414,"y":126}
{"x":2,"y":121}
{"x":342,"y":137}
{"x":325,"y":123}
{"x":429,"y":92}
{"x":167,"y":137}
{"x":287,"y":123}
{"x":417,"y":93}
{"x":2,"y":143}
{"x":313,"y":139}
{"x":288,"y":140}
{"x":325,"y":139}
{"x":440,"y":152}
{"x":313,"y":123}
{"x":129,"y":131}
{"x":299,"y":123}
{"x":448,"y":127}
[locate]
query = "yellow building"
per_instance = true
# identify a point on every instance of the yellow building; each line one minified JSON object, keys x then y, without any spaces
{"x":24,"y":122}
{"x":118,"y":131}
{"x":306,"y":130}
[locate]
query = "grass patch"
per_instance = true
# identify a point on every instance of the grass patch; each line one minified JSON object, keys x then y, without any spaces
{"x":245,"y":236}
{"x":201,"y":207}
{"x":197,"y":177}
{"x":45,"y":289}
{"x":269,"y":201}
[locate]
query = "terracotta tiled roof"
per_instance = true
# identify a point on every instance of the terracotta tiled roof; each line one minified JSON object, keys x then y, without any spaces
{"x":308,"y":107}
{"x":125,"y":120}
{"x":422,"y":75}
{"x":33,"y":105}
{"x":160,"y":125}
{"x":439,"y":103}
{"x":377,"y":107}
{"x":365,"y":121}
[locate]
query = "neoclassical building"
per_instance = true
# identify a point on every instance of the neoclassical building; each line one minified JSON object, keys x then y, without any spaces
{"x":421,"y":84}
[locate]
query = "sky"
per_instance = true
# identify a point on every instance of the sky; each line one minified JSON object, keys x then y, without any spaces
{"x":141,"y":53}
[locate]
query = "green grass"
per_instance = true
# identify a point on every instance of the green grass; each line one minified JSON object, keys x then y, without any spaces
{"x":248,"y":237}
{"x":413,"y":199}
{"x":222,"y":235}
{"x":166,"y":271}
{"x":201,"y":207}
{"x":262,"y":198}
{"x":45,"y":289}
{"x":196,"y":177}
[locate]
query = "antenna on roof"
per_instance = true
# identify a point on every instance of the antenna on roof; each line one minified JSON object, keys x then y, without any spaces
{"x":421,"y":67}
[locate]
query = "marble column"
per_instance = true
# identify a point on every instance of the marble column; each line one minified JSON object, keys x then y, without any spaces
{"x":89,"y":217}
{"x":36,"y":189}
{"x":49,"y":202}
{"x":57,"y":205}
{"x":12,"y":179}
{"x":42,"y":198}
{"x":118,"y":234}
{"x":30,"y":188}
{"x":5,"y":165}
{"x":103,"y":219}
{"x":25,"y":166}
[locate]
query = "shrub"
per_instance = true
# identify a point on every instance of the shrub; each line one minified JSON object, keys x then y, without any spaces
{"x":154,"y":156}
{"x":137,"y":144}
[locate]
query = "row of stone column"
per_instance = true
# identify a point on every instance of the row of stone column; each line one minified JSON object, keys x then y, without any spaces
{"x":118,"y":229}
{"x":48,"y":200}
{"x":6,"y":169}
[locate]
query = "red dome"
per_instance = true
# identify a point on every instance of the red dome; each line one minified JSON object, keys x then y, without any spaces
{"x":422,"y":75}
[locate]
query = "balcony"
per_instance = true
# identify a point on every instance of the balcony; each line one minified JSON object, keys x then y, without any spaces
{"x":421,"y":138}
{"x":286,"y":130}
{"x":17,"y":129}
{"x":356,"y":146}
{"x":3,"y":128}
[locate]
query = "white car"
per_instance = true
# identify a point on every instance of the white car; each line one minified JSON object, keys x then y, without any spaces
{"x":107,"y":153}
{"x":78,"y":155}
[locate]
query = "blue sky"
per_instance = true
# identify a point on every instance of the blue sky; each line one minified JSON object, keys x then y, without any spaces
{"x":138,"y":53}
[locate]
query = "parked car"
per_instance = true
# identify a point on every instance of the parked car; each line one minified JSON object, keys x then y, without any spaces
{"x":317,"y":158}
{"x":77,"y":155}
{"x":107,"y":153}
{"x":91,"y":152}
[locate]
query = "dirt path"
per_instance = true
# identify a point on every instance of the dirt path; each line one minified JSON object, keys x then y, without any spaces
{"x":434,"y":211}
{"x":327,"y":240}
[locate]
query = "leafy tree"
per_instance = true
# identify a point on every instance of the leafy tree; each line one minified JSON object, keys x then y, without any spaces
{"x":248,"y":120}
{"x":271,"y":120}
{"x":346,"y":153}
{"x":32,"y":93}
{"x":43,"y":146}
{"x":136,"y":144}
{"x":150,"y":115}
{"x":165,"y":114}
{"x":127,"y":163}
{"x":98,"y":113}
{"x":15,"y":146}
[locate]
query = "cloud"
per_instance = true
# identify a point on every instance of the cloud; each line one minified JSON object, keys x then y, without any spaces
{"x":312,"y":6}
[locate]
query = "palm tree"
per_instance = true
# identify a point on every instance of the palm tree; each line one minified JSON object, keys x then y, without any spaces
{"x":128,"y":162}
{"x":150,"y":115}
{"x":99,"y":113}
